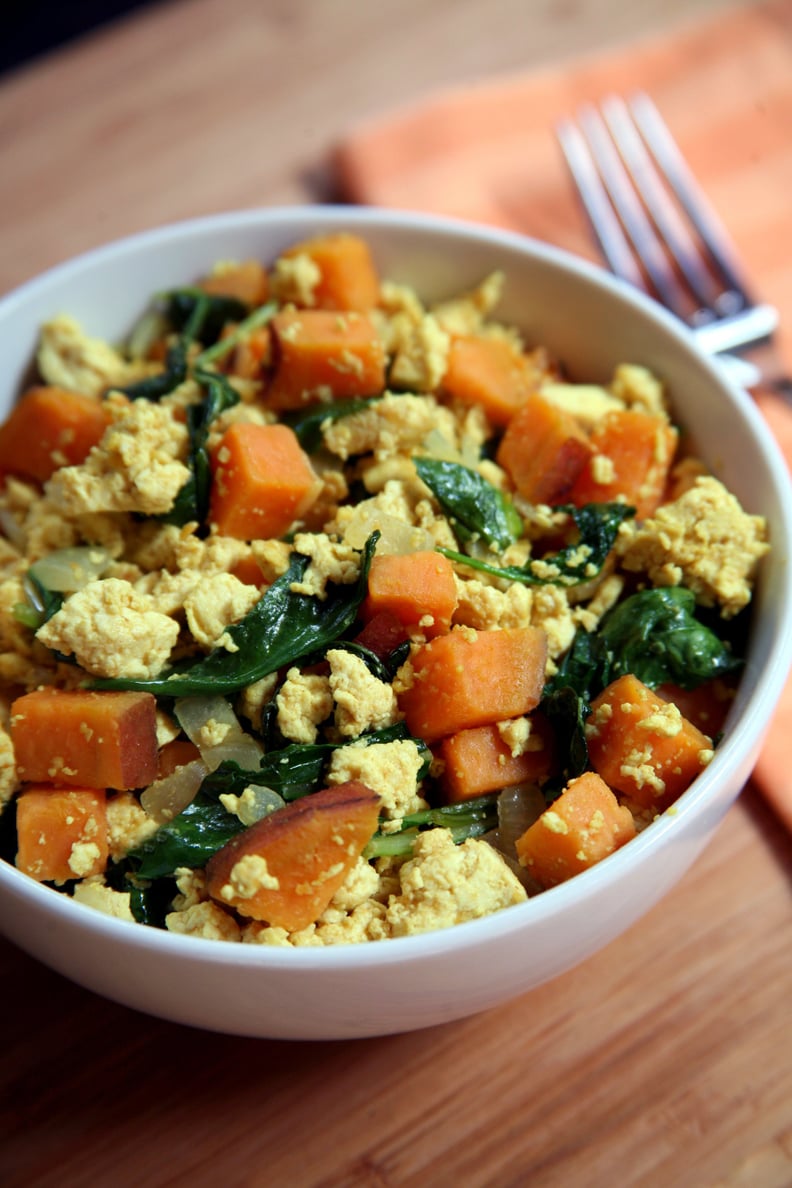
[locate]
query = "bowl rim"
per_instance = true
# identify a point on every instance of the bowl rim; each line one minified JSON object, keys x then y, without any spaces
{"x":744,"y":737}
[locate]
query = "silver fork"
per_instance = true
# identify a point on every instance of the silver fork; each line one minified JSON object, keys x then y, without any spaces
{"x":657,"y":230}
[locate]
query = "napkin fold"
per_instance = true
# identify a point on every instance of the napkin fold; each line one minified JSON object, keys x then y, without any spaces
{"x":487,"y":152}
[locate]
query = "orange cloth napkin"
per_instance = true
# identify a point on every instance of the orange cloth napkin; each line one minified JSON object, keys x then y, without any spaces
{"x":488,"y":152}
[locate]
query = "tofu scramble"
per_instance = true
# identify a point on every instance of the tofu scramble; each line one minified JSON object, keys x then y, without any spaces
{"x":328,"y":616}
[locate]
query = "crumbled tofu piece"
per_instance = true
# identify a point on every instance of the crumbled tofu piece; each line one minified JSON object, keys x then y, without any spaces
{"x":361,"y":883}
{"x":638,"y":388}
{"x":136,"y":467}
{"x":392,"y":425}
{"x":191,"y":886}
{"x":467,"y":314}
{"x":390,"y":769}
{"x":362,"y":701}
{"x":422,"y":360}
{"x":294,"y":279}
{"x":252,"y":699}
{"x":518,"y":735}
{"x":69,"y":358}
{"x":703,"y":540}
{"x":589,"y":403}
{"x":8,"y":777}
{"x":249,"y":875}
{"x":485,"y":607}
{"x":215,"y":602}
{"x":112,"y":631}
{"x":331,"y":561}
{"x":304,"y":702}
{"x":94,"y":894}
{"x":444,"y":884}
{"x":214,"y":554}
{"x":128,"y":824}
{"x":207,"y":920}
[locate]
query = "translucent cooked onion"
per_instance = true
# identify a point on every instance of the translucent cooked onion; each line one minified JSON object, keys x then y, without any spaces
{"x":233,"y":744}
{"x":12,"y":530}
{"x":68,"y":570}
{"x":396,"y":535}
{"x":166,"y":798}
{"x":518,"y":808}
{"x":256,"y":802}
{"x":151,"y":327}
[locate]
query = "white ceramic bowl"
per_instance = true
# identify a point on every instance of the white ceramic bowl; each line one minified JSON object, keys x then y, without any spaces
{"x":592,"y":322}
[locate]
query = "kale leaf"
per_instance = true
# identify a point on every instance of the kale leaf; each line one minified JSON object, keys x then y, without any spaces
{"x":597,"y":525}
{"x":471,"y":818}
{"x":282,"y":628}
{"x":475,"y":508}
{"x":185,"y":307}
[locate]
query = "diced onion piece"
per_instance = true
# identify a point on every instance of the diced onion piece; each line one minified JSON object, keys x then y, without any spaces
{"x":255,"y":803}
{"x":68,"y":570}
{"x":396,"y":535}
{"x":194,"y":714}
{"x":151,"y":327}
{"x":166,"y":798}
{"x":518,"y":808}
{"x":12,"y":529}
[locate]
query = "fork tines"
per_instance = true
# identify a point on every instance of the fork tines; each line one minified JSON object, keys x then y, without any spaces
{"x":654,"y":225}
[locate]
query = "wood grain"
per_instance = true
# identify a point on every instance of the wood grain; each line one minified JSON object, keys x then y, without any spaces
{"x":666,"y":1059}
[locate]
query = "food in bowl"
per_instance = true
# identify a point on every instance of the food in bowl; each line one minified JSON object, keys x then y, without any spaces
{"x":332,"y":615}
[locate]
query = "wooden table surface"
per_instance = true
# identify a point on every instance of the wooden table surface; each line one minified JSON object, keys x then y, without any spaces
{"x":667,"y":1058}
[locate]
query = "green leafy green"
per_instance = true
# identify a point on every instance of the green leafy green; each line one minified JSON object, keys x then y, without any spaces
{"x":475,"y":508}
{"x":282,"y":628}
{"x":597,"y":525}
{"x":218,"y":350}
{"x":41,"y":604}
{"x":472,"y":818}
{"x":192,"y":502}
{"x":193,"y":836}
{"x":308,"y":425}
{"x":202,"y":315}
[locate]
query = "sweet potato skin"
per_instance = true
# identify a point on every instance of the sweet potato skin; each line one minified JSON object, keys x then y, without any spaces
{"x":543,"y":450}
{"x":642,"y":746}
{"x":474,"y":678}
{"x":61,"y":832}
{"x":295,"y":859}
{"x":478,"y":761}
{"x":583,"y":826}
{"x":49,"y":428}
{"x":85,"y":739}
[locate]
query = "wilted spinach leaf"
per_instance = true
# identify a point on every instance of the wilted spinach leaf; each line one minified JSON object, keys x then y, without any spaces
{"x":282,"y":628}
{"x":308,"y":425}
{"x":475,"y":508}
{"x":181,"y":306}
{"x":597,"y":524}
{"x":192,"y":502}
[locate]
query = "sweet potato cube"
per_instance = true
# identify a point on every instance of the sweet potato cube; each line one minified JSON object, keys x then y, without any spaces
{"x":583,"y":826}
{"x":478,"y":761}
{"x":633,"y":454}
{"x":642,"y":746}
{"x":246,"y":280}
{"x":473,"y":678}
{"x":49,"y":428}
{"x":262,"y":482}
{"x":85,"y":739}
{"x":544,"y":450}
{"x":418,"y":588}
{"x":287,"y":867}
{"x":61,"y":833}
{"x":490,"y":372}
{"x":382,"y":634}
{"x":348,"y":279}
{"x":321,"y":355}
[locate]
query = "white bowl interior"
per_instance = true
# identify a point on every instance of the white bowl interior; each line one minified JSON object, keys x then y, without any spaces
{"x":592,"y":322}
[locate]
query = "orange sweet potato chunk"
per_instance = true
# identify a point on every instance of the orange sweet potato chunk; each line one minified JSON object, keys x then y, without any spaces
{"x":639,"y":451}
{"x":642,"y":746}
{"x":478,"y":761}
{"x":543,"y":450}
{"x":418,"y":588}
{"x":245,"y":280}
{"x":85,"y":739}
{"x":49,"y":428}
{"x":584,"y":825}
{"x":321,"y":355}
{"x":61,"y":832}
{"x":262,"y":482}
{"x":287,"y":867}
{"x":348,"y":278}
{"x":490,"y":372}
{"x":474,"y":678}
